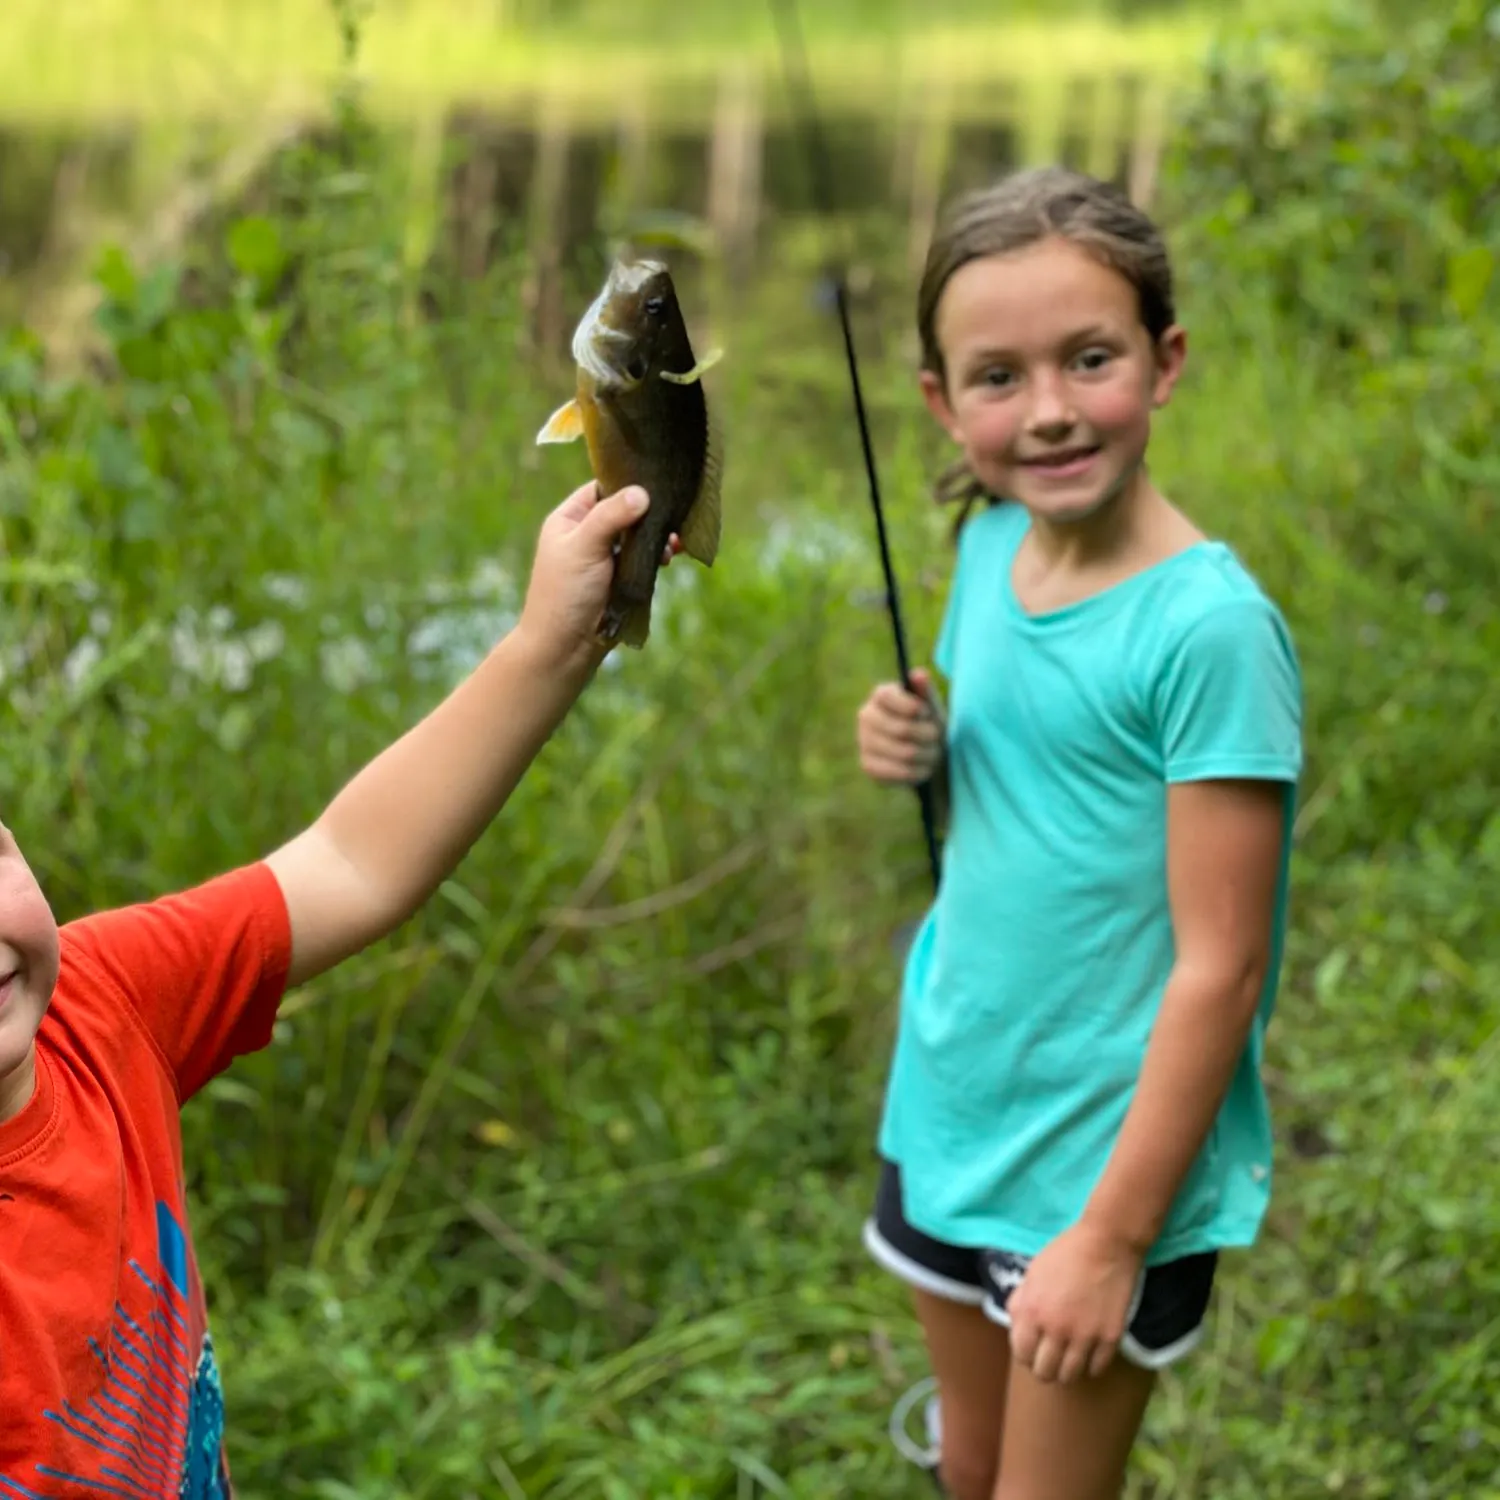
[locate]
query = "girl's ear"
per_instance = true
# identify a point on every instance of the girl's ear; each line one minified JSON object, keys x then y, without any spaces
{"x":1171,"y":355}
{"x":935,"y":394}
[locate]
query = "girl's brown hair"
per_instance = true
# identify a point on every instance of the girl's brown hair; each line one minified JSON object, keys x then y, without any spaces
{"x":1019,"y":211}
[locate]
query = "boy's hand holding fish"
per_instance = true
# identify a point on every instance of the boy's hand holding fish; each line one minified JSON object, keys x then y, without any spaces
{"x":572,"y":573}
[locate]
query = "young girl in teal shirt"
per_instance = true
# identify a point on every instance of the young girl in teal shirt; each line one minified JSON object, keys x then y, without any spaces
{"x":1075,"y":1124}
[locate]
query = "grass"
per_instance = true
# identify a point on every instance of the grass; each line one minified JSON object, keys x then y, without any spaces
{"x":557,"y":1192}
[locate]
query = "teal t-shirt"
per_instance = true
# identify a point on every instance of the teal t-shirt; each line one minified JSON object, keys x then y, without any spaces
{"x":1033,"y":983}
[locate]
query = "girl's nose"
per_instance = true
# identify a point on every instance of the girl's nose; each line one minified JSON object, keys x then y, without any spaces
{"x":1051,"y":411}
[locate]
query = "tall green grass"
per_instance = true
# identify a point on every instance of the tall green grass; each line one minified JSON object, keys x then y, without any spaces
{"x":557,"y":1191}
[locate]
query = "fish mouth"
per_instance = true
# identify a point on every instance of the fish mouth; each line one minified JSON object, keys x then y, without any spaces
{"x":591,"y":352}
{"x":597,"y":342}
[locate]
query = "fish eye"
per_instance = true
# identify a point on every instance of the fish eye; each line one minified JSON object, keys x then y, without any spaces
{"x":654,"y":307}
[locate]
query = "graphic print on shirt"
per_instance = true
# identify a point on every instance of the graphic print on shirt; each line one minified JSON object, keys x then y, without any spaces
{"x":154,"y":1429}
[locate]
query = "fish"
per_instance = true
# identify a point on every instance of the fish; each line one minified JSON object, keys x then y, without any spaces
{"x":640,"y":407}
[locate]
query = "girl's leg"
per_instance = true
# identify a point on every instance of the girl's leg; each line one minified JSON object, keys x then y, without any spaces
{"x":970,"y":1359}
{"x":1071,"y":1442}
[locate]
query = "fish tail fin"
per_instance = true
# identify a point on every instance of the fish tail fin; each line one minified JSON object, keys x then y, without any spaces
{"x":627,"y":624}
{"x":635,"y":625}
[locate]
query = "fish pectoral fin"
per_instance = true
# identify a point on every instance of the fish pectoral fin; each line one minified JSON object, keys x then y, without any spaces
{"x":700,"y":531}
{"x":698,"y":371}
{"x":565,"y":425}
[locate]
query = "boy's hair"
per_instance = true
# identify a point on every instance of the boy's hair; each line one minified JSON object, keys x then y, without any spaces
{"x":1021,"y":210}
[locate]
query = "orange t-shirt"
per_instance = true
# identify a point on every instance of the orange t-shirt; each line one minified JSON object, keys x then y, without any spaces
{"x":108,"y":1385}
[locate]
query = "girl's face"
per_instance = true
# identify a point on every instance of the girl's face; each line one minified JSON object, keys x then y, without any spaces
{"x":1051,"y":377}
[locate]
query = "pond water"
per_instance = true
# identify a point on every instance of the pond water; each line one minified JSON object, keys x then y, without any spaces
{"x":117,"y":141}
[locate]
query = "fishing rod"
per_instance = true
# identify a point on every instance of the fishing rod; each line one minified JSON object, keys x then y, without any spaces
{"x":799,"y":84}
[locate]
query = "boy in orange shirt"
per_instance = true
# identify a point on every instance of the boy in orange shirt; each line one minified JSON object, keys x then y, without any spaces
{"x":108,"y":1384}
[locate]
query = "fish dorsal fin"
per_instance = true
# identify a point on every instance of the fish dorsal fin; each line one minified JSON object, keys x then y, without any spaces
{"x":700,"y":532}
{"x":698,"y":371}
{"x":565,"y":425}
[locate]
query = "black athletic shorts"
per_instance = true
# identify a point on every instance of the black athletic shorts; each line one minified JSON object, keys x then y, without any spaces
{"x":1166,"y":1318}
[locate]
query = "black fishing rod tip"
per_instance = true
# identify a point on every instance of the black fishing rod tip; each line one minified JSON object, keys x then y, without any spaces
{"x":826,"y":290}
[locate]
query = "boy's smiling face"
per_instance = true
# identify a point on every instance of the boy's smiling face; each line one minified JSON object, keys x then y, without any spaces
{"x":28,"y":972}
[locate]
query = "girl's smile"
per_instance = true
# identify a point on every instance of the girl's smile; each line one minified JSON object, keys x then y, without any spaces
{"x":1070,"y":463}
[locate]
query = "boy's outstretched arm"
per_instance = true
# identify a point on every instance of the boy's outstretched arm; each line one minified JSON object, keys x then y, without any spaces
{"x":394,"y":833}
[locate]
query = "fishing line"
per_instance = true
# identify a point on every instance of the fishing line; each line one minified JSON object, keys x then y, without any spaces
{"x":799,"y":84}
